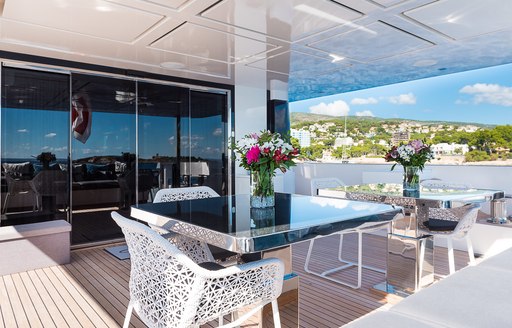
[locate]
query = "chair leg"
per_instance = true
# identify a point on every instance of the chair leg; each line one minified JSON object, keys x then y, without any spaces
{"x":340,"y":248}
{"x":308,"y":256}
{"x":275,"y":312}
{"x":451,"y":260}
{"x":128,"y":315}
{"x":5,"y":203}
{"x":221,"y":320}
{"x":471,"y":253}
{"x":359,"y":259}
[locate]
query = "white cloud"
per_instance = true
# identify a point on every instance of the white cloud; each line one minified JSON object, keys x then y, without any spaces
{"x":336,"y":108}
{"x":365,"y":113}
{"x":364,"y":101}
{"x":489,"y":93}
{"x":50,"y":135}
{"x":403,"y":99}
{"x":22,"y":130}
{"x":217,"y":132}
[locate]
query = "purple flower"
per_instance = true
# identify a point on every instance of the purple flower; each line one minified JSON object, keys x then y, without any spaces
{"x":417,"y":145}
{"x":253,"y":155}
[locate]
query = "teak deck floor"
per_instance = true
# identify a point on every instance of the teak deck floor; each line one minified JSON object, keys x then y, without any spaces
{"x":92,"y":291}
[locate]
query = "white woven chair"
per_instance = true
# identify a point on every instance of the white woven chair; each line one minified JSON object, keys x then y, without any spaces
{"x":168,"y":289}
{"x":187,"y":193}
{"x":197,"y":250}
{"x":466,"y":216}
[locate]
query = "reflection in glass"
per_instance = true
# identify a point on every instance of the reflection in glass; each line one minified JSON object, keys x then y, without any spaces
{"x":206,"y":142}
{"x":181,"y":142}
{"x":34,"y":133}
{"x":160,"y":108}
{"x":103,"y":153}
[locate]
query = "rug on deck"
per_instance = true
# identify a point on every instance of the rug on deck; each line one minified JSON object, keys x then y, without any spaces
{"x":120,"y":252}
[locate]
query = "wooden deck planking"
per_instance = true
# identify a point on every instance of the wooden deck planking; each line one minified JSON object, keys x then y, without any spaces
{"x":52,"y":308}
{"x":92,"y":291}
{"x":26,"y":301}
{"x":40,"y":306}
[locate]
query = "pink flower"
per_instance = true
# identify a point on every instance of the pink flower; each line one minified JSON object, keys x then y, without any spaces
{"x":253,"y":155}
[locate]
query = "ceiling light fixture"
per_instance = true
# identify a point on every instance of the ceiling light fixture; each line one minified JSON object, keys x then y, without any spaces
{"x":336,"y":58}
{"x":103,"y":8}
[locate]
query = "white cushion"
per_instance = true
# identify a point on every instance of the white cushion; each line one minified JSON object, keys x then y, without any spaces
{"x":384,"y":319}
{"x":473,"y":297}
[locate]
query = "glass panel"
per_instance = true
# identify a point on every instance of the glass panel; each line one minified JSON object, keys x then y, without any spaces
{"x":159,"y":108}
{"x":34,"y":153}
{"x":103,"y":152}
{"x":207,"y":164}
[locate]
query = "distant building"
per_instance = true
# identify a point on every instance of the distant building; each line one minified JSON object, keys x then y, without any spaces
{"x":340,"y":142}
{"x":449,"y":149}
{"x":400,"y":137}
{"x":303,"y":136}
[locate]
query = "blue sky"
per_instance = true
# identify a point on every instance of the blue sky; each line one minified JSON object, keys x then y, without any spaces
{"x":479,"y":96}
{"x":26,"y":133}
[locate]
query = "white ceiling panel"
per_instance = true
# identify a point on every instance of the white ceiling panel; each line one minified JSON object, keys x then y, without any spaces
{"x":111,"y":21}
{"x":464,"y":20}
{"x":374,"y":41}
{"x":297,"y":63}
{"x":211,"y":44}
{"x":286,"y":20}
{"x":387,"y":3}
{"x":43,"y":38}
{"x":181,"y":63}
{"x":172,"y":4}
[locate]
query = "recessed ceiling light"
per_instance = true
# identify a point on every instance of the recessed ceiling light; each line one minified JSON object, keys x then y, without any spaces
{"x":173,"y":65}
{"x":336,"y":58}
{"x":103,"y":8}
{"x":425,"y":63}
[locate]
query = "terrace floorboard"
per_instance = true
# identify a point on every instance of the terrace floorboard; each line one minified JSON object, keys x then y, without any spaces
{"x":92,"y":290}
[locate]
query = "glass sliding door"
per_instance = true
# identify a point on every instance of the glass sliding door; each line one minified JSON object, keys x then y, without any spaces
{"x":34,"y":146}
{"x":206,"y":142}
{"x":160,"y":108}
{"x":78,"y":146}
{"x":103,"y":116}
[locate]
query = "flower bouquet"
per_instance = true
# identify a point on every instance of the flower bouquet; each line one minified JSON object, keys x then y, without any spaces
{"x":412,"y":156}
{"x":45,"y":158}
{"x":262,"y":153}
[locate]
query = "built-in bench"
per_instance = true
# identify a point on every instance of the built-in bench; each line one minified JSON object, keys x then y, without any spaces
{"x":476,"y":296}
{"x":33,"y":246}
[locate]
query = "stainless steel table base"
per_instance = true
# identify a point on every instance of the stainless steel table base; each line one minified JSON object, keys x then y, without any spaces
{"x":410,"y":263}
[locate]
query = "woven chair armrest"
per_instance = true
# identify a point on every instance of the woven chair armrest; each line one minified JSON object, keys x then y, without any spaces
{"x":242,"y":268}
{"x":230,"y":289}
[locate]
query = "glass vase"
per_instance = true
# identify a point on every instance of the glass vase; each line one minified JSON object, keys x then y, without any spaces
{"x":262,"y":189}
{"x":411,"y":183}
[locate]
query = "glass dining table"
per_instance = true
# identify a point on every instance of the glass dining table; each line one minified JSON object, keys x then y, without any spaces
{"x":230,"y":223}
{"x":410,"y":249}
